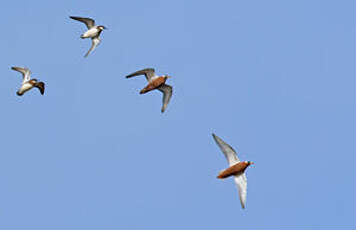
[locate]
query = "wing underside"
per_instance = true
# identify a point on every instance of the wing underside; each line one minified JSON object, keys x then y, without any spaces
{"x":149,"y":73}
{"x":241,"y":182}
{"x":167,"y":94}
{"x":95,"y":42}
{"x":228,"y":151}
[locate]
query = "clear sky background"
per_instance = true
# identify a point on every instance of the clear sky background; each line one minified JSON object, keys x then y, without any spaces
{"x":274,"y":79}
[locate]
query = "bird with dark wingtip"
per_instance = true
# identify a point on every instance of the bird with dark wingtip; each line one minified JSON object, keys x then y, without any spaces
{"x":155,"y":82}
{"x":93,"y":32}
{"x":236,"y":168}
{"x":27,"y":82}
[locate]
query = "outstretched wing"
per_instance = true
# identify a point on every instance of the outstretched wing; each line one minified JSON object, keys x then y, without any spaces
{"x":41,"y":87}
{"x":26,"y":73}
{"x":94,"y":43}
{"x":149,"y":73}
{"x":167,"y":91}
{"x":241,"y":182}
{"x":87,"y":21}
{"x":228,"y":151}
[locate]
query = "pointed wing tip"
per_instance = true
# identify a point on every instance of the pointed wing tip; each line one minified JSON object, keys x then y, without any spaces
{"x":216,"y":138}
{"x":16,"y":68}
{"x":149,"y":73}
{"x":163,"y":108}
{"x":131,"y":75}
{"x":243,"y":206}
{"x":41,"y":87}
{"x":23,"y":70}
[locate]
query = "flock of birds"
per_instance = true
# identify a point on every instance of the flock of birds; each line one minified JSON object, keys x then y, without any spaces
{"x":236,"y":167}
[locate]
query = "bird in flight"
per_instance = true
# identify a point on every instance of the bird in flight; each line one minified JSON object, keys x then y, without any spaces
{"x":27,"y":82}
{"x":93,"y":32}
{"x":236,"y":168}
{"x":155,"y":82}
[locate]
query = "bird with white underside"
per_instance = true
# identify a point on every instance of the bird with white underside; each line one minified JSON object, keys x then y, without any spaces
{"x":93,"y":32}
{"x":27,"y":82}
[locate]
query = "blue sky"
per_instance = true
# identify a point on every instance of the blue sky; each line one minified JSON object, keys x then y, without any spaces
{"x":274,"y":79}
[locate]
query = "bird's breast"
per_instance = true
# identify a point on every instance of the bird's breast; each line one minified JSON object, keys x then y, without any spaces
{"x":25,"y":87}
{"x":93,"y":32}
{"x":233,"y":170}
{"x":154,"y":84}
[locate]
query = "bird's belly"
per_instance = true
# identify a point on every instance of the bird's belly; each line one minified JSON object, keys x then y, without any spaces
{"x":233,"y":170}
{"x":93,"y":32}
{"x":154,"y":84}
{"x":25,"y":87}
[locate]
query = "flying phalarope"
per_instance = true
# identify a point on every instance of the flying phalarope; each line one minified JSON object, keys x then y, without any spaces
{"x":237,"y":168}
{"x":155,"y":82}
{"x":27,"y":82}
{"x":93,"y":32}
